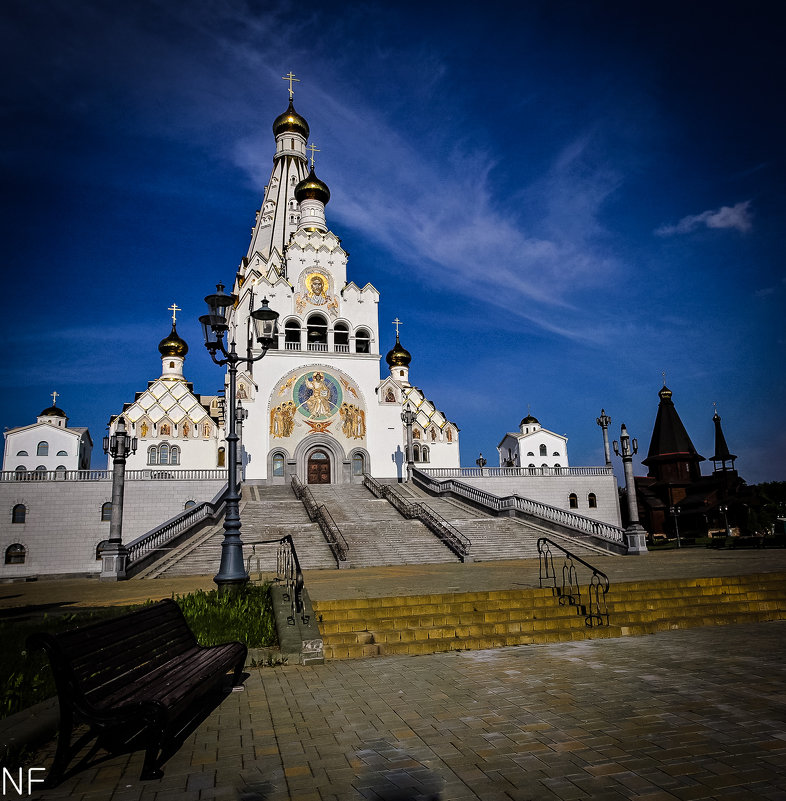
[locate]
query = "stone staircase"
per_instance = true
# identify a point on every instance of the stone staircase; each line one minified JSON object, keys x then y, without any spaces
{"x":421,"y":624}
{"x":494,"y":537}
{"x":266,"y":513}
{"x":375,"y":532}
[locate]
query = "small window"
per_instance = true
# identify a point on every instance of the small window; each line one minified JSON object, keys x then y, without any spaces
{"x":19,"y":513}
{"x":362,"y":341}
{"x":592,"y":500}
{"x":15,"y":554}
{"x":174,"y":455}
{"x":416,"y":452}
{"x":42,"y":449}
{"x":106,"y":511}
{"x":22,"y":453}
{"x":222,"y":457}
{"x":163,"y":454}
{"x":21,"y":472}
{"x":556,"y":453}
{"x":189,"y":504}
{"x":60,"y":469}
{"x":152,"y":455}
{"x":100,"y":547}
{"x":573,"y":500}
{"x":40,"y":472}
{"x":62,"y":453}
{"x":530,"y":453}
{"x":278,"y":464}
{"x":424,"y":454}
{"x":543,"y":450}
{"x":358,"y":464}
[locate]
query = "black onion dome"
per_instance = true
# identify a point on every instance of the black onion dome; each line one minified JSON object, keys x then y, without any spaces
{"x":399,"y":356}
{"x":52,"y":411}
{"x":529,"y":420}
{"x":173,"y":345}
{"x":312,"y":188}
{"x":290,"y":121}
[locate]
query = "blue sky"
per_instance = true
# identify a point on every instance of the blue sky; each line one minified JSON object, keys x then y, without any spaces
{"x":560,"y":200}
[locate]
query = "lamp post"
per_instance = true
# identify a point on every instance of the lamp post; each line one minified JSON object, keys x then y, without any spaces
{"x":408,"y":418}
{"x":725,"y":509}
{"x":604,"y":421}
{"x":114,"y":554}
{"x":634,"y":533}
{"x":675,"y":512}
{"x":232,"y":573}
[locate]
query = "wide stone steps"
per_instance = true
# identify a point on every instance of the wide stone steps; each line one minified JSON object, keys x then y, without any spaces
{"x":464,"y":621}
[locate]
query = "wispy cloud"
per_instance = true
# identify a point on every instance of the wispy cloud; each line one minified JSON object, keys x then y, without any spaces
{"x":739,"y":217}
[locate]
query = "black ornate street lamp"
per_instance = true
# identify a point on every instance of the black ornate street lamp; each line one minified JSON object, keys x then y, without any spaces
{"x":408,"y":418}
{"x":114,"y":554}
{"x":481,"y":462}
{"x":635,"y":534}
{"x":232,"y":572}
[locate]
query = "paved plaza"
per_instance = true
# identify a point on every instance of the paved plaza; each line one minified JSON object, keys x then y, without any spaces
{"x":688,"y":714}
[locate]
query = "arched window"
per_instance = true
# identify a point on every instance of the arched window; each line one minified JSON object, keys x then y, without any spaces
{"x":592,"y":500}
{"x":362,"y":341}
{"x":317,"y":332}
{"x":531,"y":465}
{"x":40,"y":472}
{"x":530,"y":453}
{"x":22,"y":453}
{"x":21,"y":472}
{"x":292,"y":335}
{"x":15,"y":554}
{"x":573,"y":500}
{"x":42,"y":449}
{"x":100,"y":547}
{"x":174,"y":455}
{"x":106,"y":511}
{"x":278,"y":464}
{"x":152,"y":455}
{"x":424,"y":454}
{"x":556,"y":453}
{"x":543,"y":451}
{"x":416,"y":452}
{"x":222,"y":457}
{"x":60,"y":470}
{"x":189,"y":504}
{"x":19,"y":513}
{"x":341,"y":338}
{"x":62,"y":453}
{"x":163,"y":453}
{"x":358,"y":464}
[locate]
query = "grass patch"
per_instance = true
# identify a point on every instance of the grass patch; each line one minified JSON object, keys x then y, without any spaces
{"x":26,"y":678}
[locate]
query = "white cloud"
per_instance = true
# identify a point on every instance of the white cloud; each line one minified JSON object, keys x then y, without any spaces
{"x":739,"y":216}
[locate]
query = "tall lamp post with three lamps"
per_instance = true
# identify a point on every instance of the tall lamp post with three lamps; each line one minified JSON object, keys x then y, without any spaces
{"x":635,"y":534}
{"x":232,"y":573}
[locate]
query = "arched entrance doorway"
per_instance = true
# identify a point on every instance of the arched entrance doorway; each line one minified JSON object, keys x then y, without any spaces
{"x":318,"y":468}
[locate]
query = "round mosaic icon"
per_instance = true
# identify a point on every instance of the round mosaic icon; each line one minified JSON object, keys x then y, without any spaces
{"x":317,"y":395}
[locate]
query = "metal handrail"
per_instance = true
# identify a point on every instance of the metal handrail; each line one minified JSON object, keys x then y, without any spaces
{"x":288,"y":573}
{"x":157,"y":538}
{"x":459,"y":543}
{"x":577,"y":522}
{"x":322,"y":517}
{"x":595,"y":611}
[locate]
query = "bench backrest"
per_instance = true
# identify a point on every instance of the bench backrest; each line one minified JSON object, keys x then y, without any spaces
{"x":92,"y":662}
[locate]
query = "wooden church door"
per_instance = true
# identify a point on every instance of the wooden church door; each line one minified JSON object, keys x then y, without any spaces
{"x":319,"y":468}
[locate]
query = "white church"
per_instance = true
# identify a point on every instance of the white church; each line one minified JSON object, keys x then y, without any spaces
{"x":320,"y":406}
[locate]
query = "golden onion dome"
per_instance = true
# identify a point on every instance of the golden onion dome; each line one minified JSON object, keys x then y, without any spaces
{"x":52,"y":411}
{"x":399,"y":356}
{"x":290,"y":121}
{"x":312,"y":188}
{"x":173,"y":345}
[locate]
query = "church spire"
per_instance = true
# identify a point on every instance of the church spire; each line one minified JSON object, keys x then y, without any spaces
{"x":671,"y":456}
{"x":722,"y":453}
{"x":278,"y":217}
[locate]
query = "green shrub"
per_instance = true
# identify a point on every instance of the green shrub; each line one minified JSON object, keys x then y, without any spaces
{"x":246,"y":616}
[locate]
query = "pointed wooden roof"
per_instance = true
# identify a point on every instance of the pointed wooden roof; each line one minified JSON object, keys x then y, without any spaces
{"x":670,"y":441}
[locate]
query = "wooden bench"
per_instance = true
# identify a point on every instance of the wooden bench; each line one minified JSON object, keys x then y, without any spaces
{"x":131,"y":679}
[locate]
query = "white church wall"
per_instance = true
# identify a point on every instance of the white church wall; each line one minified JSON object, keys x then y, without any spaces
{"x":58,"y":439}
{"x":63,"y":522}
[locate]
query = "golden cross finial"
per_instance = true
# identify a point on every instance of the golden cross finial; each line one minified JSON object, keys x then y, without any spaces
{"x":290,"y":76}
{"x":663,"y":373}
{"x":314,"y":149}
{"x":174,"y":308}
{"x":715,"y":407}
{"x":55,"y":396}
{"x":397,"y":323}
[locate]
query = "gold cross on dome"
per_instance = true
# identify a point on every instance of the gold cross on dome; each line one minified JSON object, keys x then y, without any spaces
{"x":663,"y":373}
{"x":55,"y":396}
{"x":174,"y":308}
{"x":314,"y":149}
{"x":290,"y":76}
{"x":397,"y":323}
